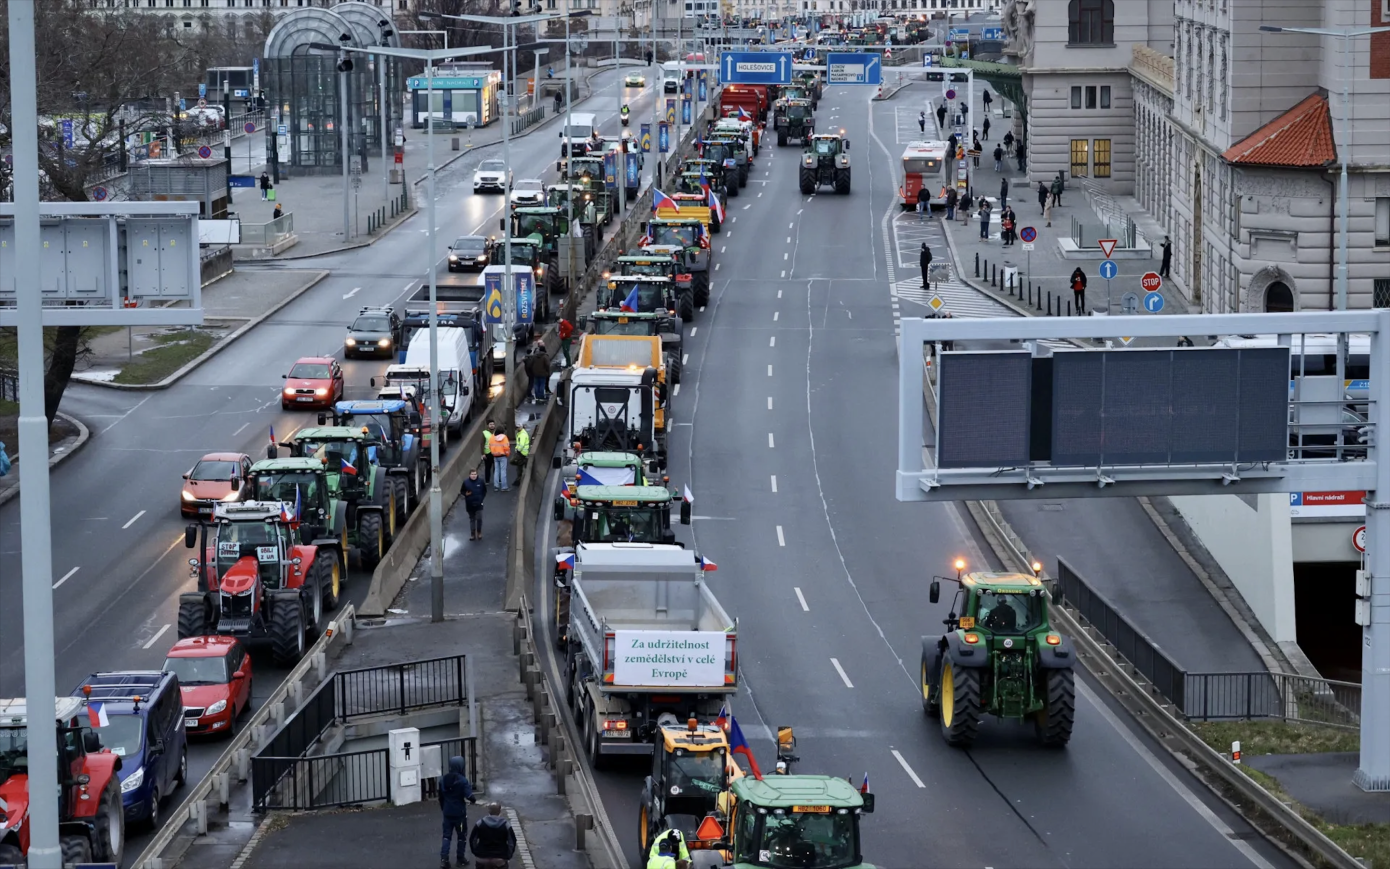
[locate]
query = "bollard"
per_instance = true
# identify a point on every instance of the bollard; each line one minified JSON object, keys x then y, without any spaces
{"x":516,"y":637}
{"x":297,"y":694}
{"x":243,"y":764}
{"x":1040,"y":291}
{"x":582,"y":822}
{"x":538,"y":697}
{"x":562,"y":771}
{"x":547,"y":721}
{"x":277,"y":712}
{"x":1068,"y":308}
{"x":198,"y":813}
{"x":321,"y":665}
{"x":977,"y":264}
{"x":527,"y":659}
{"x":994,"y":276}
{"x":528,"y":679}
{"x":224,"y":790}
{"x":1030,"y":293}
{"x":557,"y":749}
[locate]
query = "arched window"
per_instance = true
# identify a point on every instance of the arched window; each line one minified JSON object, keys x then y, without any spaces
{"x":1091,"y":22}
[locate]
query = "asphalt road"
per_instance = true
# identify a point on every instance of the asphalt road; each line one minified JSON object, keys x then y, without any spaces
{"x":119,"y":563}
{"x":786,"y":435}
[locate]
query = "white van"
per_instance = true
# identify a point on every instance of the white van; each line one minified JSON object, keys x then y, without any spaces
{"x":579,"y":130}
{"x":456,"y":395}
{"x":670,"y":76}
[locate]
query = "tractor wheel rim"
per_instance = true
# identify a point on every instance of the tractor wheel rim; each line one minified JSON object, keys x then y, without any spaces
{"x":317,"y":595}
{"x":115,"y":829}
{"x":380,"y":545}
{"x":642,"y":829}
{"x":948,"y":694}
{"x":926,"y":685}
{"x":336,"y":577}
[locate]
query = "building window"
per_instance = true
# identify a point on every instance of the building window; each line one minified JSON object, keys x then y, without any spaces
{"x":1381,"y":293}
{"x":1080,"y":158}
{"x":1076,"y":97}
{"x":1383,"y":221}
{"x":1090,"y":96}
{"x":1102,"y":151}
{"x":1091,"y":22}
{"x":1105,"y":96}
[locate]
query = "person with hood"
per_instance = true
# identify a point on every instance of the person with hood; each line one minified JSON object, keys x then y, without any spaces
{"x":493,"y":841}
{"x":1078,"y":289}
{"x":455,"y":791}
{"x":922,"y":120}
{"x":538,"y":369}
{"x":926,"y":262}
{"x":667,"y":849}
{"x":474,"y":491}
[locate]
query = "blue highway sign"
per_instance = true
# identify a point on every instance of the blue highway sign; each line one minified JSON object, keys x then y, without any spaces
{"x":958,"y":34}
{"x":853,"y":68}
{"x":756,"y":67}
{"x":1108,"y":269}
{"x":1153,"y":302}
{"x":994,"y":34}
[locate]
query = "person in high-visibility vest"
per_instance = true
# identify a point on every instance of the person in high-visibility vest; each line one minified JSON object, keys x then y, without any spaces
{"x":500,"y":448}
{"x":523,"y":449}
{"x":668,"y":848}
{"x":488,"y":463}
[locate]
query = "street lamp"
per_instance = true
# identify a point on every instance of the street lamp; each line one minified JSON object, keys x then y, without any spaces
{"x":430,"y":57}
{"x":1343,"y":207}
{"x":384,"y":132}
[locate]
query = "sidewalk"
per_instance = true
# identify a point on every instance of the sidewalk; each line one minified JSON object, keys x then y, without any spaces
{"x":67,"y":437}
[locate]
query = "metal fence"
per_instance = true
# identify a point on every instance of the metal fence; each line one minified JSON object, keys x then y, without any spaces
{"x":465,"y":747}
{"x":528,"y":118}
{"x":9,"y":384}
{"x":1243,"y":696}
{"x":1168,"y":678}
{"x":322,"y":782}
{"x":401,"y":688}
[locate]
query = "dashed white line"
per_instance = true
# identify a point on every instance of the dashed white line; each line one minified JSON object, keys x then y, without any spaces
{"x":775,"y":315}
{"x":769,"y":370}
{"x":702,"y":309}
{"x":772,"y":342}
{"x":841,"y":670}
{"x":760,"y":196}
{"x":769,"y":402}
{"x":801,"y":598}
{"x":907,"y":769}
{"x":156,"y":637}
{"x":779,"y":292}
{"x":66,"y":576}
{"x":692,"y":331}
{"x":240,"y":430}
{"x":675,"y":390}
{"x":723,"y":247}
{"x":799,"y":210}
{"x":770,"y":444}
{"x":781,"y":541}
{"x":716,"y":268}
{"x":746,"y":207}
{"x":791,"y":226}
{"x":786,"y":256}
{"x":789,"y":239}
{"x":774,"y":483}
{"x":685,"y":360}
{"x":355,"y":291}
{"x":132,"y":520}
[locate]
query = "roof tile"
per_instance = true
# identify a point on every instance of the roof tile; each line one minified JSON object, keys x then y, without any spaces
{"x":1300,"y":137}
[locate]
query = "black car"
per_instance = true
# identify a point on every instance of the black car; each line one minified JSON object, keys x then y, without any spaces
{"x":468,"y":253}
{"x":375,"y":332}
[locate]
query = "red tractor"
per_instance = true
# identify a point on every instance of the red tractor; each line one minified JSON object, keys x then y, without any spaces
{"x":91,"y":820}
{"x":256,"y":584}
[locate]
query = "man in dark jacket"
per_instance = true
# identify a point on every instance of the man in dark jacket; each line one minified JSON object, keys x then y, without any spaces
{"x":926,"y":263}
{"x":474,"y":491}
{"x":538,"y":369}
{"x":941,"y":116}
{"x":455,"y":791}
{"x":493,"y":840}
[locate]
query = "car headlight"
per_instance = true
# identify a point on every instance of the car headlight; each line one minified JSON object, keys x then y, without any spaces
{"x":133,"y":781}
{"x":351,"y":342}
{"x":215,"y":708}
{"x":289,"y":390}
{"x":320,"y":392}
{"x":453,"y":258}
{"x":384,"y":342}
{"x":188,"y":496}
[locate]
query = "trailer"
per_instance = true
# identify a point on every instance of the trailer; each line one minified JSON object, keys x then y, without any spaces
{"x":649,"y":644}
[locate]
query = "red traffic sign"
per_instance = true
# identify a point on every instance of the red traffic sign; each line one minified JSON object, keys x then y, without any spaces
{"x":250,"y":127}
{"x":950,"y":93}
{"x":204,"y":151}
{"x":1028,"y":234}
{"x":1358,"y":539}
{"x":1151,"y":281}
{"x":1107,"y":246}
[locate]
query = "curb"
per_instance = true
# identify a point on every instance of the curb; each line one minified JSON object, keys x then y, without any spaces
{"x":84,"y":434}
{"x":214,"y":349}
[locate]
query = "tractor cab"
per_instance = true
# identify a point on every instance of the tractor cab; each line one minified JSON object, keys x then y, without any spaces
{"x":802,"y":821}
{"x":692,"y":769}
{"x":620,"y":514}
{"x":650,"y":294}
{"x":301,"y":481}
{"x":394,"y":424}
{"x":348,"y":454}
{"x":247,"y":542}
{"x":544,"y":223}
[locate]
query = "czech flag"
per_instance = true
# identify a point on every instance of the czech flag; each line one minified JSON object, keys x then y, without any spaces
{"x":706,"y":564}
{"x":864,"y":788}
{"x":744,"y":116}
{"x":347,"y":468}
{"x":285,"y":514}
{"x":564,"y":560}
{"x":630,"y":303}
{"x":722,"y":719}
{"x":713,"y":201}
{"x":584,"y":478}
{"x":739,"y":745}
{"x":689,"y":498}
{"x":661,"y":200}
{"x":272,"y":436}
{"x":96,"y":713}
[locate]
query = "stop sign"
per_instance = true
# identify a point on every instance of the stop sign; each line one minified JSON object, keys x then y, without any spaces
{"x":1151,"y":282}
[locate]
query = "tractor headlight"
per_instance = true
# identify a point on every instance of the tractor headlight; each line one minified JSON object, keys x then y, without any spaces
{"x":215,"y":708}
{"x":133,"y":781}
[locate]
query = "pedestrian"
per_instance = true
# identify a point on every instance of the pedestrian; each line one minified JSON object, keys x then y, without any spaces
{"x":668,"y":851}
{"x":538,"y":369}
{"x":926,"y":263}
{"x":984,"y":219}
{"x":277,"y":213}
{"x":998,"y":158}
{"x":951,"y":144}
{"x":951,"y":198}
{"x":454,"y":791}
{"x":923,"y":203}
{"x":474,"y":491}
{"x":493,"y":841}
{"x":522,"y":450}
{"x":1020,"y":152}
{"x":487,"y":450}
{"x":964,"y":111}
{"x":984,"y":127}
{"x":987,"y":100}
{"x":1167,"y":257}
{"x":1185,"y":341}
{"x":1078,"y":289}
{"x":941,"y":116}
{"x":500,"y":447}
{"x":1006,"y":227}
{"x":1009,"y":140}
{"x":963,"y":209}
{"x":975,"y":146}
{"x":1043,"y":196}
{"x":1058,"y":185}
{"x":265,"y":186}
{"x":922,"y":120}
{"x":5,"y":458}
{"x":1047,"y":211}
{"x":566,"y":332}
{"x":1003,"y":192}
{"x":557,"y":102}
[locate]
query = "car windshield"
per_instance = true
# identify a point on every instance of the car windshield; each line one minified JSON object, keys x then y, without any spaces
{"x":337,"y":453}
{"x":605,"y":326}
{"x":371,"y":323}
{"x":198,"y":671}
{"x":283,"y":487}
{"x":1010,"y":613}
{"x":657,"y":269}
{"x":213,"y":470}
{"x":470,"y":243}
{"x":124,"y":735}
{"x":622,"y":524}
{"x":825,"y":146}
{"x":799,"y":840}
{"x":679,"y":235}
{"x":620,"y":354}
{"x":529,"y":185}
{"x":310,"y":370}
{"x":527,"y":224}
{"x":492,"y":166}
{"x":698,"y":772}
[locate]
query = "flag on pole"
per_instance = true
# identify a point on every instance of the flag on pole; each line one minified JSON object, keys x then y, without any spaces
{"x":348,"y":469}
{"x":739,"y":745}
{"x":713,"y":201}
{"x":689,"y":498}
{"x":722,"y":719}
{"x":564,"y":560}
{"x":96,"y":713}
{"x":706,"y":564}
{"x":661,"y":200}
{"x":630,"y":303}
{"x":864,"y":788}
{"x":272,"y":436}
{"x":744,"y":116}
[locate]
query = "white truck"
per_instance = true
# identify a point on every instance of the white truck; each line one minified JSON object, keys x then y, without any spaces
{"x":576,"y":137}
{"x":649,"y":644}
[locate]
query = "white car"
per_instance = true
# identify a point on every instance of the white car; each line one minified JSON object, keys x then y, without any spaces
{"x":527,"y":192}
{"x":492,"y":175}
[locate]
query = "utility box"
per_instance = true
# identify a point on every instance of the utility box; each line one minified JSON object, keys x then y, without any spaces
{"x":157,"y":256}
{"x":404,"y":758}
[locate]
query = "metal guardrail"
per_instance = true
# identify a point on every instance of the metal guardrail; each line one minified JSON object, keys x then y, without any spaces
{"x":322,"y":782}
{"x":400,"y":688}
{"x":528,"y":118}
{"x":268,"y":233}
{"x":1245,"y":696}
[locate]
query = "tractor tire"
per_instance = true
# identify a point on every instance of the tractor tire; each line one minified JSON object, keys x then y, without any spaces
{"x":403,"y":503}
{"x":743,"y":175}
{"x":673,"y":369}
{"x":312,"y":595}
{"x":1053,"y":722}
{"x":960,"y":704}
{"x":644,"y":835}
{"x":326,"y":573}
{"x":287,"y":631}
{"x":193,"y":619}
{"x":371,"y":539}
{"x":701,"y":288}
{"x":808,"y":181}
{"x":110,"y":825}
{"x":930,"y":678}
{"x":733,"y":190}
{"x":77,"y":850}
{"x":597,"y":761}
{"x":842,"y":181}
{"x":715,"y":225}
{"x":685,"y":307}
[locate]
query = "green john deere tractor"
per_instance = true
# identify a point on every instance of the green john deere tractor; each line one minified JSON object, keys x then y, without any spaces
{"x":1000,"y":656}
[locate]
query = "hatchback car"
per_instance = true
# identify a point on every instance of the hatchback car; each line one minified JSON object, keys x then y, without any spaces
{"x":468,"y":253}
{"x":374,"y":333}
{"x":214,"y":681}
{"x":216,"y":477}
{"x":492,"y":175}
{"x":635,"y":80}
{"x":527,"y":192}
{"x":314,"y":381}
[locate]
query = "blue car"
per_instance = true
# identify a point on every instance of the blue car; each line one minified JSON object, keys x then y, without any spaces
{"x":138,"y":714}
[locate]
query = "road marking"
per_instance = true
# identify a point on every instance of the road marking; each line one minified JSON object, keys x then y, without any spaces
{"x":408,"y":285}
{"x":786,"y":256}
{"x":733,"y":219}
{"x":66,"y":576}
{"x":675,"y":390}
{"x":772,"y":342}
{"x":760,"y":196}
{"x":692,"y":331}
{"x":132,"y":520}
{"x":841,"y":671}
{"x":774,"y":485}
{"x":907,"y":769}
{"x":685,"y":360}
{"x":799,"y":210}
{"x":801,"y":598}
{"x":156,"y":637}
{"x":789,"y":239}
{"x":716,"y":268}
{"x":702,"y":309}
{"x":781,"y":541}
{"x":769,"y":402}
{"x":775,"y":315}
{"x":746,"y":207}
{"x":355,"y":291}
{"x":779,"y":292}
{"x":723,"y":247}
{"x":791,"y":226}
{"x":770,"y":444}
{"x":240,"y":430}
{"x":769,"y":370}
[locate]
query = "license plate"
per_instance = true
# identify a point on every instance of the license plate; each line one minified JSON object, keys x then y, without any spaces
{"x":190,"y":722}
{"x":617,"y":734}
{"x":204,"y":509}
{"x":305,"y":398}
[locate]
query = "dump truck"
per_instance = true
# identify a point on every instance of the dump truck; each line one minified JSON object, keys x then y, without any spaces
{"x":825,"y":160}
{"x":750,"y":99}
{"x":647,"y":640}
{"x":620,"y":409}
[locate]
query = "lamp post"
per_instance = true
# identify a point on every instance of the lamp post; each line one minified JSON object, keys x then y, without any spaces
{"x":344,"y":67}
{"x":1343,"y":197}
{"x":385,"y":131}
{"x":436,"y":505}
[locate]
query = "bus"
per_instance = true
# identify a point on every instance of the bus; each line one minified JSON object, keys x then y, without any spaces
{"x":925,"y":165}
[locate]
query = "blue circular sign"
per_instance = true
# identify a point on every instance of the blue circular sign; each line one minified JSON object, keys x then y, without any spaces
{"x":1028,"y":234}
{"x":1108,"y":269}
{"x":99,"y":194}
{"x":1153,"y":302}
{"x":204,"y":151}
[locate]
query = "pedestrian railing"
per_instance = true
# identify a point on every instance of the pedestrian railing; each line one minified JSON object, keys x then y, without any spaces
{"x":528,"y":118}
{"x":266,"y":234}
{"x":322,"y":782}
{"x":465,"y":747}
{"x":401,"y":688}
{"x":1245,"y":696}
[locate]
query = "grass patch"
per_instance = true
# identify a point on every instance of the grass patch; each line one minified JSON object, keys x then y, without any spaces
{"x":157,"y":363}
{"x":1275,"y":737}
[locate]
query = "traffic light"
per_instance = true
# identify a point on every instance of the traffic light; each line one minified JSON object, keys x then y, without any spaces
{"x":959,"y":77}
{"x":936,"y":76}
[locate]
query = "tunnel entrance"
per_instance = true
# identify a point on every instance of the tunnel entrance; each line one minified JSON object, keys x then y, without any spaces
{"x":1325,"y":606}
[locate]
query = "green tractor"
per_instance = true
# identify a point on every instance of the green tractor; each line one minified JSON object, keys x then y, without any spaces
{"x":796,"y":820}
{"x":825,"y":160}
{"x":726,"y":151}
{"x":794,"y":120}
{"x":663,"y":266}
{"x":1000,"y":656}
{"x":588,"y":174}
{"x":543,"y":225}
{"x":586,"y":212}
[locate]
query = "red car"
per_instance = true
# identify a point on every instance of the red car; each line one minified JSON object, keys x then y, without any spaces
{"x":314,"y":381}
{"x":215,"y":680}
{"x":211,"y":481}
